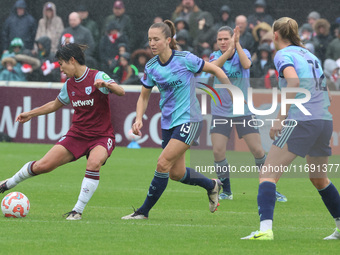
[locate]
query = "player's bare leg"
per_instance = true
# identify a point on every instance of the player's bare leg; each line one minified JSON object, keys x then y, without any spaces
{"x":55,"y":157}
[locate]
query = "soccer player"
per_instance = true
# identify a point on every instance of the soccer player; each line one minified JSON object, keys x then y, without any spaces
{"x":172,"y":72}
{"x":310,"y":137}
{"x":235,"y":62}
{"x":91,"y":132}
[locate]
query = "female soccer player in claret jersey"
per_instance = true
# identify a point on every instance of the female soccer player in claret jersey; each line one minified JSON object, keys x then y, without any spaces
{"x":91,"y":132}
{"x":235,"y":62}
{"x":305,"y":135}
{"x":172,"y":72}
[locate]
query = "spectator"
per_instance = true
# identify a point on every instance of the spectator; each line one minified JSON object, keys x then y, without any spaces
{"x":139,"y":59}
{"x":260,"y":15}
{"x":183,"y":39}
{"x":25,"y":61}
{"x":311,"y":19}
{"x":333,"y":49}
{"x":46,"y":57}
{"x":19,"y":24}
{"x":262,"y":66}
{"x":322,"y":38}
{"x":109,"y":51}
{"x":10,"y":69}
{"x":246,"y":39}
{"x":125,"y":73}
{"x":80,"y":35}
{"x":181,"y":23}
{"x":206,"y":34}
{"x":124,"y":21}
{"x":189,"y":11}
{"x":259,"y":31}
{"x":332,"y":73}
{"x":90,"y":24}
{"x":306,"y":33}
{"x":224,"y":18}
{"x":50,"y":25}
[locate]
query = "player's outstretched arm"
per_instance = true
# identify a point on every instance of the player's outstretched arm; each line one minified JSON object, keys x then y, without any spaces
{"x":142,"y":104}
{"x":113,"y":87}
{"x":42,"y":110}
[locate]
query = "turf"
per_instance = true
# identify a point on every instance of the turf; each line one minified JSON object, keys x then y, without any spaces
{"x":180,"y":223}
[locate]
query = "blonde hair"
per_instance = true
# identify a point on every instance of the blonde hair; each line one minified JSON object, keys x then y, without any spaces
{"x":288,"y":29}
{"x":168,"y":29}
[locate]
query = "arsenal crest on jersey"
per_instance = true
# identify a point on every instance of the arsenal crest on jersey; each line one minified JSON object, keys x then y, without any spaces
{"x":88,"y":90}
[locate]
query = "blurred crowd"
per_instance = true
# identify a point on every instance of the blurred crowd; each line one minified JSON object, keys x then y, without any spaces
{"x":116,"y":48}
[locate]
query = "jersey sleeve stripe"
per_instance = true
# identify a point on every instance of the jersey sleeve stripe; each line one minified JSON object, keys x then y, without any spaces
{"x":285,"y":66}
{"x":61,"y":101}
{"x":146,"y":86}
{"x":201,"y":67}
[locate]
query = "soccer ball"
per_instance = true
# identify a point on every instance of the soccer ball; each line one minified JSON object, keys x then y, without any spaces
{"x":15,"y":204}
{"x":132,"y":137}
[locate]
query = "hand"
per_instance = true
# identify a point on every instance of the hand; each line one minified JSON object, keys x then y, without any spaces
{"x":136,"y":127}
{"x":236,"y":34}
{"x":275,"y":130}
{"x":23,"y":117}
{"x":100,"y":84}
{"x":201,"y":24}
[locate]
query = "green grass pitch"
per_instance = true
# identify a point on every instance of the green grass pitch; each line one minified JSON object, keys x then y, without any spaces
{"x":180,"y":223}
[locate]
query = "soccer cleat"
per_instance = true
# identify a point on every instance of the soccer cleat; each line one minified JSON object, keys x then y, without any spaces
{"x":213,"y":196}
{"x":3,"y":186}
{"x":280,"y":197}
{"x":334,"y":236}
{"x":73,"y":215}
{"x":260,"y":235}
{"x":225,"y":196}
{"x":135,"y":216}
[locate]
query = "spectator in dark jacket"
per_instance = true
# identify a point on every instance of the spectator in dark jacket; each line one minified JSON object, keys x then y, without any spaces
{"x":206,"y":34}
{"x":262,"y":66}
{"x":322,"y":38}
{"x":45,"y":56}
{"x":19,"y":24}
{"x":109,"y":46}
{"x":125,"y":73}
{"x":124,"y":21}
{"x":260,"y":15}
{"x":224,"y":18}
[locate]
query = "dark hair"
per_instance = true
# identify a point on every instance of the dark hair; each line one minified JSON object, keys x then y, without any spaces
{"x":70,"y":50}
{"x":226,"y":28}
{"x":169,"y":30}
{"x":288,"y":29}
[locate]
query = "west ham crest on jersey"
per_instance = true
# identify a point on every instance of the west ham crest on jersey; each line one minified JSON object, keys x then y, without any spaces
{"x":88,"y":90}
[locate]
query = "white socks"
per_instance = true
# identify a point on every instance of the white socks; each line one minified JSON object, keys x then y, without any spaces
{"x":265,"y":225}
{"x":24,"y":173}
{"x":88,"y":187}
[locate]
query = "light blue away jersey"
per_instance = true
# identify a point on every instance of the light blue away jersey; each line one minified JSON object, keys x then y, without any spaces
{"x":311,"y":77}
{"x":239,"y":77}
{"x":174,"y":80}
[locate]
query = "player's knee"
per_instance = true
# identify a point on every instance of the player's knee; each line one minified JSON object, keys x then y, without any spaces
{"x":94,"y":163}
{"x":163,"y":165}
{"x":219,"y":153}
{"x":320,"y":183}
{"x":258,"y":152}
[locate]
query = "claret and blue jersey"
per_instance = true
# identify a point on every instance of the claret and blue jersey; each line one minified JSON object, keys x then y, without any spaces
{"x":311,"y":77}
{"x":174,"y":80}
{"x":238,"y":76}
